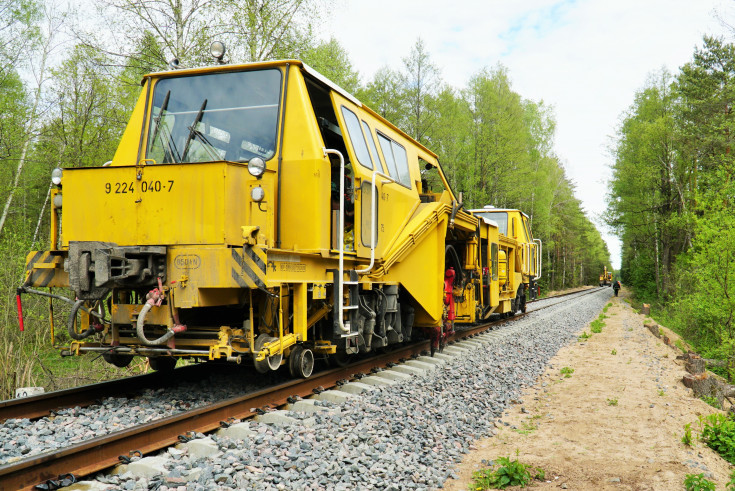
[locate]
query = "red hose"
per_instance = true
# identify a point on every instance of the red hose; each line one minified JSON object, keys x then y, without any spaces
{"x":20,"y":312}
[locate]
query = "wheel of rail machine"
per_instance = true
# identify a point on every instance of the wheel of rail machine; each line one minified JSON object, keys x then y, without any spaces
{"x":117,"y":359}
{"x":162,"y":363}
{"x":271,"y":362}
{"x":301,"y":362}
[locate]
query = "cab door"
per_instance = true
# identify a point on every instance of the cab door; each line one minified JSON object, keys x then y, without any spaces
{"x":361,"y":162}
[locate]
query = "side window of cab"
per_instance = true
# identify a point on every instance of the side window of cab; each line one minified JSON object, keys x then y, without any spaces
{"x":359,"y":145}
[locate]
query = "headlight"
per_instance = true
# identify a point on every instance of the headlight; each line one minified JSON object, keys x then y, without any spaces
{"x":217,"y":50}
{"x":57,"y":200}
{"x":257,"y":194}
{"x":256,"y":166}
{"x":56,"y":176}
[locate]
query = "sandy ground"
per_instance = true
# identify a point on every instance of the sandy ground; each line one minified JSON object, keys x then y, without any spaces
{"x":615,"y":423}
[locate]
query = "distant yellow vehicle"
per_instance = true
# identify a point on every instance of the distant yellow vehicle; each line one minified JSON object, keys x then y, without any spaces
{"x":259,"y":213}
{"x":515,"y":236}
{"x":606,"y":278}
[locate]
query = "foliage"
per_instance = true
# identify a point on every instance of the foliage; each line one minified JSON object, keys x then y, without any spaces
{"x":495,"y":148}
{"x":612,"y":401}
{"x":712,"y":401}
{"x":671,"y":196}
{"x":504,"y":473}
{"x":331,"y":60}
{"x":255,"y":30}
{"x":718,"y":432}
{"x":596,"y":326}
{"x":697,"y":482}
{"x":567,"y":372}
{"x":687,"y":438}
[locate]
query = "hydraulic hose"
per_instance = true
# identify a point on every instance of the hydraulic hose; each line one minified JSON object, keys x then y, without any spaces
{"x":72,"y":318}
{"x":155,"y":297}
{"x":139,"y":328}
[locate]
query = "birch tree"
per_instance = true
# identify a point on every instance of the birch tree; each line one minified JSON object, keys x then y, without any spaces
{"x":53,"y":20}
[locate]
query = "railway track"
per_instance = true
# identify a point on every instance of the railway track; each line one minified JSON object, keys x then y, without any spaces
{"x":103,"y":452}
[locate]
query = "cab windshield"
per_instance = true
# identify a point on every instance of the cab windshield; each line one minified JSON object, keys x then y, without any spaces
{"x":499,"y":217}
{"x":219,"y":116}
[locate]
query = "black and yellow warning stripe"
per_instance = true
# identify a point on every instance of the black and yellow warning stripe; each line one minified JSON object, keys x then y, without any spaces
{"x":249,"y":268}
{"x":46,"y":269}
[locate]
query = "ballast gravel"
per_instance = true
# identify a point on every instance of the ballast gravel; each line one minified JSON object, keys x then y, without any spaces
{"x":22,"y":438}
{"x":406,"y":436}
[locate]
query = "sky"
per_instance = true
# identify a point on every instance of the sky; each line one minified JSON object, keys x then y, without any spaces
{"x":586,"y":58}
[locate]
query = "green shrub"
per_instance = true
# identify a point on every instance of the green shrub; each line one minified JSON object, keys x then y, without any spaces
{"x":504,"y":473}
{"x":731,"y":483}
{"x":687,"y":438}
{"x":718,"y":432}
{"x":697,"y":482}
{"x":596,"y":326}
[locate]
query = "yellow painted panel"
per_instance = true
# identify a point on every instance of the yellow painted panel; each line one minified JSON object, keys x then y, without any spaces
{"x":305,"y":174}
{"x":201,"y":203}
{"x":421,"y":272}
{"x":127,"y":150}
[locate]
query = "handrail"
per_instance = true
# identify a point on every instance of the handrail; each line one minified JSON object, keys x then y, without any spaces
{"x":373,"y":218}
{"x":340,"y":238}
{"x":539,"y":256}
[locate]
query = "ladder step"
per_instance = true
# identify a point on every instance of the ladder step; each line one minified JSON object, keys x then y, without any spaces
{"x":350,"y":335}
{"x":350,"y":282}
{"x":349,"y":307}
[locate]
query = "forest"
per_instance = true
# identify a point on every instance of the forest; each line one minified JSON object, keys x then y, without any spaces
{"x":69,"y":79}
{"x":671,"y":197}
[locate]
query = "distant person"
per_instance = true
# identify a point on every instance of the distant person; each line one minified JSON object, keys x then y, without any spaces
{"x":616,"y":287}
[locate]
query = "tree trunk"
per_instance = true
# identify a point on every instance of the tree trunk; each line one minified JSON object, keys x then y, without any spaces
{"x":31,"y":125}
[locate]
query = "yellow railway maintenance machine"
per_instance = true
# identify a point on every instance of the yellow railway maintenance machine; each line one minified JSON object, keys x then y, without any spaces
{"x":519,"y":256}
{"x":606,"y":277}
{"x":258,"y":212}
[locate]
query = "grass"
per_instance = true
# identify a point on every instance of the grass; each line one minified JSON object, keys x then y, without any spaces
{"x":584,"y":336}
{"x":504,"y":473}
{"x":687,"y":438}
{"x":528,"y":428}
{"x":613,"y":401}
{"x":712,"y":401}
{"x":597,"y":324}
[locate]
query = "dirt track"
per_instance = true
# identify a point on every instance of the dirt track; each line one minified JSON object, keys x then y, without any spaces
{"x":615,"y":423}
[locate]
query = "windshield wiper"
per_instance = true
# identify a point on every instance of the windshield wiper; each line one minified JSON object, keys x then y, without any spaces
{"x":158,"y":119}
{"x":193,"y":130}
{"x":169,"y":146}
{"x":208,"y":145}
